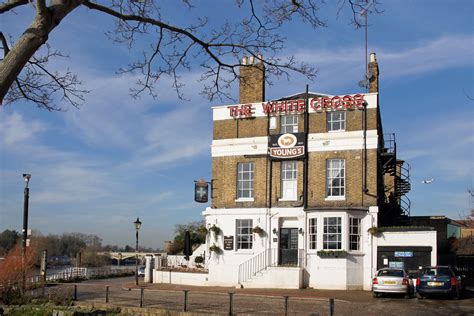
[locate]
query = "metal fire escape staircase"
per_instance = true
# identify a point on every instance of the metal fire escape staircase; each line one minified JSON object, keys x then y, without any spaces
{"x":397,"y":203}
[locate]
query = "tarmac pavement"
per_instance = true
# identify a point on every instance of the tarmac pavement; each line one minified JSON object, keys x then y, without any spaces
{"x":217,"y":301}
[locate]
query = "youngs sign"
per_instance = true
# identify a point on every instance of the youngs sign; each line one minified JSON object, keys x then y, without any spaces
{"x":286,"y":146}
{"x":318,"y":104}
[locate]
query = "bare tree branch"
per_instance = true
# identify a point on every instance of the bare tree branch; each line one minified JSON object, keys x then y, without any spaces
{"x":173,"y":48}
{"x":11,"y":4}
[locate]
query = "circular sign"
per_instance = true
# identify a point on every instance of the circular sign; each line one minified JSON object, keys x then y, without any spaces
{"x":287,"y":140}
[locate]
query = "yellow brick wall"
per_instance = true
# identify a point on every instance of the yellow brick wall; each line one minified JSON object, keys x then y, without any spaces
{"x":254,"y":127}
{"x":224,"y":170}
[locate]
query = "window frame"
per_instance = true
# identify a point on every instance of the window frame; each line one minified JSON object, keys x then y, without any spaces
{"x":327,"y":234}
{"x":330,"y":187}
{"x":239,"y":234}
{"x":240,"y":181}
{"x":284,"y":124}
{"x":294,"y":173}
{"x":313,"y":233}
{"x":340,"y":120}
{"x":356,"y":234}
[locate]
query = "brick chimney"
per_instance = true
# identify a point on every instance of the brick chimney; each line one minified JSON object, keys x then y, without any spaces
{"x":374,"y":70}
{"x":252,"y":80}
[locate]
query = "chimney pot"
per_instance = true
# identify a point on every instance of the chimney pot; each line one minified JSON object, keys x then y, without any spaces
{"x":244,"y":60}
{"x":251,"y":60}
{"x":373,"y":58}
{"x":260,"y":58}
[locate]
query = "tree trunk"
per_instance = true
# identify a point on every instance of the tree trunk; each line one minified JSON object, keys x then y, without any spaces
{"x":30,"y":42}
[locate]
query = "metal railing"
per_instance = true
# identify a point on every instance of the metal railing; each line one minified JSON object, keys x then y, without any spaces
{"x":267,"y":258}
{"x":191,"y":301}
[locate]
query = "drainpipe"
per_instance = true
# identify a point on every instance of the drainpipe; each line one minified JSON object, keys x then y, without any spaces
{"x":364,"y":174}
{"x":269,"y":193}
{"x":305,"y":180}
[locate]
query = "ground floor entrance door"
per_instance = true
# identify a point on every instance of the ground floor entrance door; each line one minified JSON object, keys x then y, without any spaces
{"x":288,"y":247}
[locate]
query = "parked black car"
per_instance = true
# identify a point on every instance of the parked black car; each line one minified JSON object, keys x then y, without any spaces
{"x":440,"y":280}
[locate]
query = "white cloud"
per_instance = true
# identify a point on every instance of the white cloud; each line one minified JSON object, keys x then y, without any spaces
{"x":344,"y":66}
{"x":15,"y":129}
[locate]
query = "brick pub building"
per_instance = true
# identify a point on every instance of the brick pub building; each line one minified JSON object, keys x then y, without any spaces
{"x":298,"y":185}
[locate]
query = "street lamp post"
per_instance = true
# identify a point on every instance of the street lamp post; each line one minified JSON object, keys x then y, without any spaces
{"x":26,"y":177}
{"x":137,"y":228}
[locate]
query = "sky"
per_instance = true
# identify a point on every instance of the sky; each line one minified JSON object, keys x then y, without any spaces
{"x":97,"y":168}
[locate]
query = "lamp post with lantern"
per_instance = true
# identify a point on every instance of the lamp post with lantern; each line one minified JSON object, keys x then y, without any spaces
{"x":26,"y":196}
{"x":26,"y":177}
{"x":138,"y":224}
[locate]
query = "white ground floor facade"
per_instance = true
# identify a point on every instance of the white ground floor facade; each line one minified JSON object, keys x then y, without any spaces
{"x":325,"y":249}
{"x":321,"y":249}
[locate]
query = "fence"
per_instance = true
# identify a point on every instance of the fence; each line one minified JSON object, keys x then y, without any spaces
{"x":189,"y":301}
{"x":86,"y":273}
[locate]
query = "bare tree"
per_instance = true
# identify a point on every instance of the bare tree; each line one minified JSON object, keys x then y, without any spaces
{"x":174,"y":48}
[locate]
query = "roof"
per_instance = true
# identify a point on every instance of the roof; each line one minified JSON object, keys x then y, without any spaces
{"x":302,"y":95}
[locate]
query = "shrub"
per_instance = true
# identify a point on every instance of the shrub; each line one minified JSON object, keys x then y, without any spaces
{"x":12,"y":271}
{"x":199,"y":259}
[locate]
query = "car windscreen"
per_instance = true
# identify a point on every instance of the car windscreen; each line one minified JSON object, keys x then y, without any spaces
{"x":391,"y":273}
{"x":436,"y":271}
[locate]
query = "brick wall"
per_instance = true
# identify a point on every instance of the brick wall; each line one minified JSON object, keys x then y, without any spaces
{"x":254,"y":127}
{"x":224,"y":170}
{"x":252,"y":82}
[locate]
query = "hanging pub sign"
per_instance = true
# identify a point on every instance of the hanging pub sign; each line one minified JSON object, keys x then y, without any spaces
{"x":284,"y":146}
{"x":201,"y":191}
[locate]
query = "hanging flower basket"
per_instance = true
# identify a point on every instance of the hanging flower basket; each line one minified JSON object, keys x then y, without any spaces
{"x":215,"y":248}
{"x":216,"y":230}
{"x":332,"y":253}
{"x":374,"y":231}
{"x":258,"y":230}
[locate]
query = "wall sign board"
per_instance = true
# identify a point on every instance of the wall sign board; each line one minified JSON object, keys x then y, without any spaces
{"x":284,"y":146}
{"x":228,"y":242}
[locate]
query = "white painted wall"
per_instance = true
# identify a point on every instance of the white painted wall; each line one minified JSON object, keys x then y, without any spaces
{"x":411,"y":238}
{"x":317,"y":142}
{"x":183,"y":278}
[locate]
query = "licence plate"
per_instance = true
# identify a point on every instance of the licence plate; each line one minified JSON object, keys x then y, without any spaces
{"x":435,"y":283}
{"x":389,"y":282}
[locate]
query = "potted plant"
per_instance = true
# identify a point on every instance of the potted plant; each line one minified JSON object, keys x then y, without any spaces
{"x":199,"y":260}
{"x":258,"y":230}
{"x":332,"y":253}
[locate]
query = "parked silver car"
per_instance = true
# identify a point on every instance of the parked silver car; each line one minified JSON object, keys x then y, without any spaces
{"x":389,"y":280}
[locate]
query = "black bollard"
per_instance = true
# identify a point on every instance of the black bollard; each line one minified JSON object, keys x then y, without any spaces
{"x":107,"y":294}
{"x":185,"y":309}
{"x":331,"y":307}
{"x":142,"y":294}
{"x":286,"y":305}
{"x":230,"y":304}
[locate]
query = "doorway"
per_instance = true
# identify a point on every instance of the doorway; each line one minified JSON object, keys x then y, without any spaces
{"x":288,"y":247}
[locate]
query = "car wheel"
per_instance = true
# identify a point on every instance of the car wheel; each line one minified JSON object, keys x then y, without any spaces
{"x":375,"y":294}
